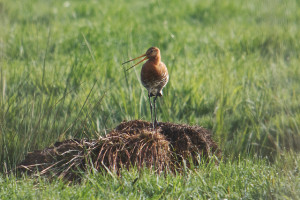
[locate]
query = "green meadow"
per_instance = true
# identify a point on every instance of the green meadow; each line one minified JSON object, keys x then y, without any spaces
{"x":234,"y":69}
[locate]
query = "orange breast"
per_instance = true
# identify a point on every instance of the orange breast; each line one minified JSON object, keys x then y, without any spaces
{"x":154,"y":75}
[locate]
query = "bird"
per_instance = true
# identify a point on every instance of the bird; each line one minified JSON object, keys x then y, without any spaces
{"x":154,"y":77}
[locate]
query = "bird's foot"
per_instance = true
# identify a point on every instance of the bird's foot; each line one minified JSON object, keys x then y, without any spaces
{"x":155,"y":124}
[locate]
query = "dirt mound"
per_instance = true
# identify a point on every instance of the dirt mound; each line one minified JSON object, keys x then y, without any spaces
{"x":184,"y":141}
{"x":65,"y":159}
{"x":132,"y":143}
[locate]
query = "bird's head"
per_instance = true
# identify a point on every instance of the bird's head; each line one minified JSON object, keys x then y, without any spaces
{"x":151,"y":53}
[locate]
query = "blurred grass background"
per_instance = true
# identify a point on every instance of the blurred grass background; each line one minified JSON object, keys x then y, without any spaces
{"x":233,"y":65}
{"x":234,"y":69}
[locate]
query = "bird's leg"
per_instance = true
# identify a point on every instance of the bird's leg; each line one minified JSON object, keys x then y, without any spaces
{"x":154,"y":102}
{"x":149,"y":96}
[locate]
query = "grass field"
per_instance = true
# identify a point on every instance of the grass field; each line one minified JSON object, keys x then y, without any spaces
{"x":242,"y":179}
{"x":234,"y":69}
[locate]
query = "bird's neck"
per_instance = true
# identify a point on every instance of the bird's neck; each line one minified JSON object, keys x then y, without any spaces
{"x":155,"y":60}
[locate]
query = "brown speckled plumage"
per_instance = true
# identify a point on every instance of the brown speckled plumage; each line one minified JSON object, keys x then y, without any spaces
{"x":154,"y":75}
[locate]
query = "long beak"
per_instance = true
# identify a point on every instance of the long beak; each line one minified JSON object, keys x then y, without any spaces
{"x":135,"y":59}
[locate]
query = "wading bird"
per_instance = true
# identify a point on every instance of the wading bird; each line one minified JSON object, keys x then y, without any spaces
{"x":154,"y":76}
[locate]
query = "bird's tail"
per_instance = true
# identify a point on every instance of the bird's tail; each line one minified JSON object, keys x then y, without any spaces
{"x":160,"y":94}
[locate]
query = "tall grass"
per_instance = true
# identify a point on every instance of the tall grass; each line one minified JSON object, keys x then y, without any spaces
{"x":233,"y":68}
